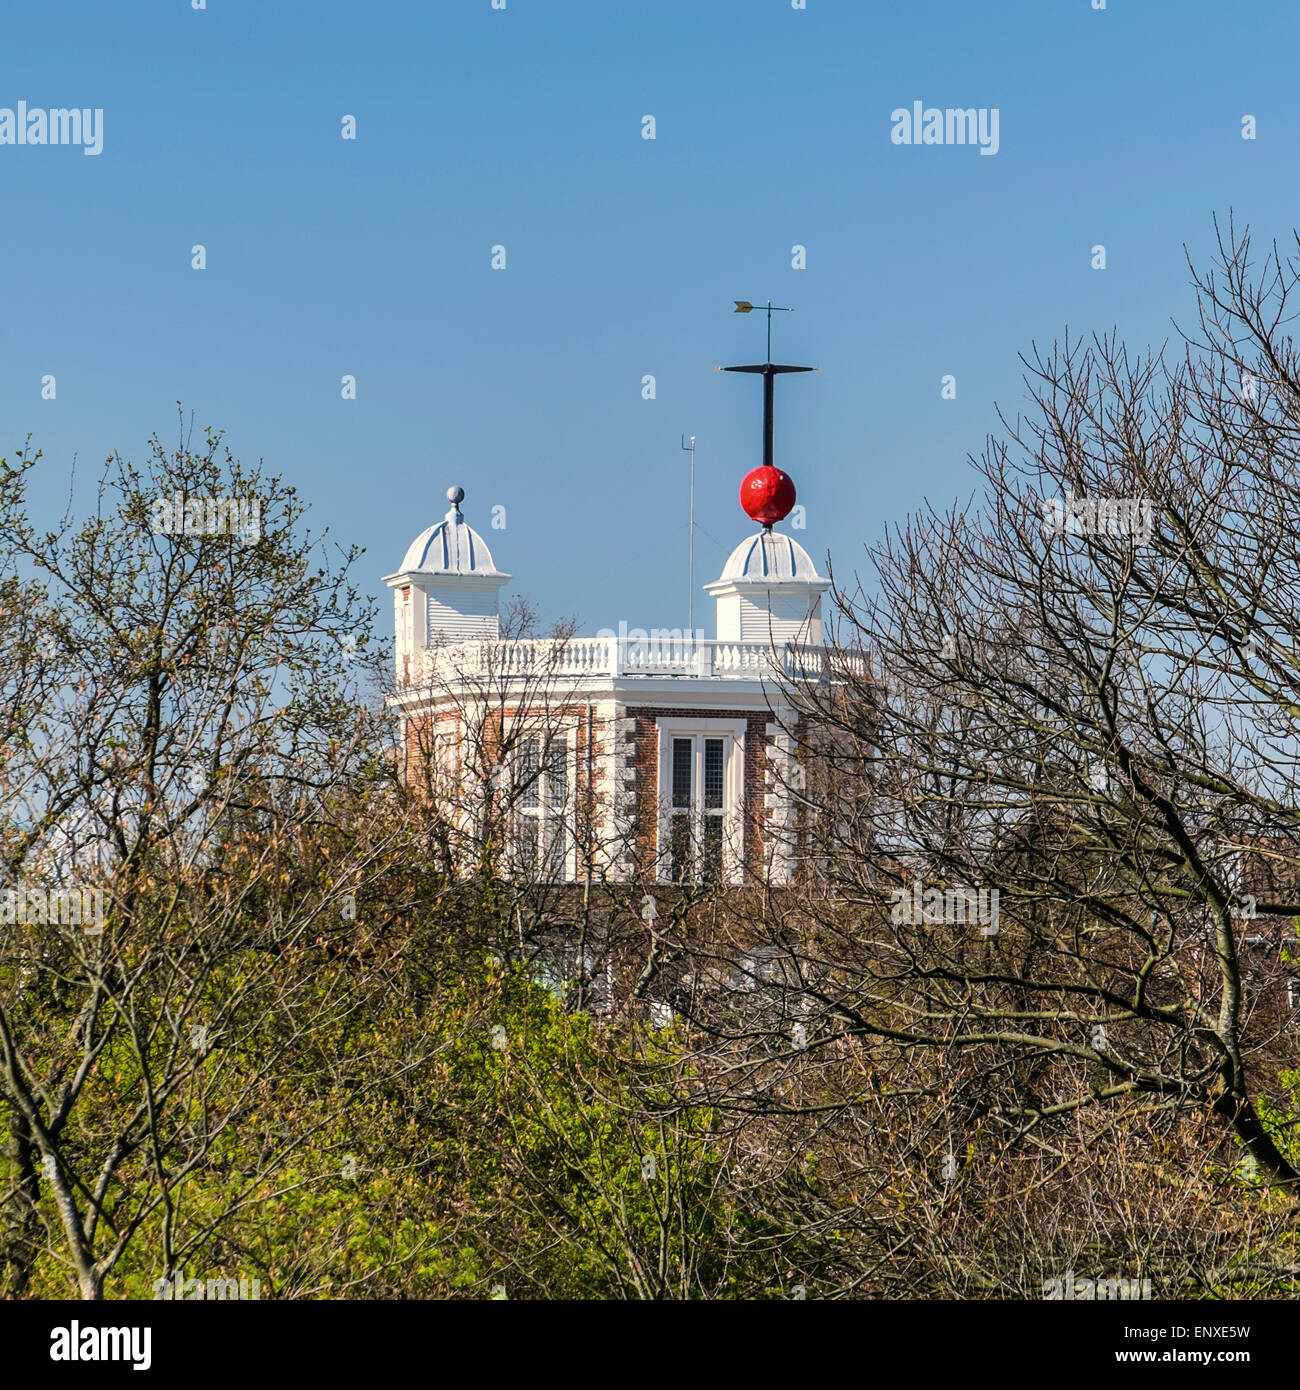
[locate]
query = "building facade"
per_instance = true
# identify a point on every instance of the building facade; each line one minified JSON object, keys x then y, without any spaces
{"x":630,"y":754}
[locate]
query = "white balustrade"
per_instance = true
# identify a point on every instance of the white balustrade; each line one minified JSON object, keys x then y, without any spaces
{"x":609,"y":657}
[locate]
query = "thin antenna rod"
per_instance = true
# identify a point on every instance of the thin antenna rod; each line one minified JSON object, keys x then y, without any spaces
{"x":691,"y":623}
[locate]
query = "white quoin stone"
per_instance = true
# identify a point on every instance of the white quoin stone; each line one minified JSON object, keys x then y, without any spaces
{"x":448,"y":589}
{"x":769,"y":591}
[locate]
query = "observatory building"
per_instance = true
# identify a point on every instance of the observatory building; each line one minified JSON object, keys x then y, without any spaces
{"x":625,"y":755}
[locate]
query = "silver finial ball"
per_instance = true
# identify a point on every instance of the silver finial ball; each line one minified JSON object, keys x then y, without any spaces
{"x":456,"y":495}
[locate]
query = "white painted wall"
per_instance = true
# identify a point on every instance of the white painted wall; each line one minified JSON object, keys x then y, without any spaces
{"x":762,"y":615}
{"x":460,"y":611}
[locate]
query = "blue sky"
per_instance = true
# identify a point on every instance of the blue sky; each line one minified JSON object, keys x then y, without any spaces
{"x":523,"y":127}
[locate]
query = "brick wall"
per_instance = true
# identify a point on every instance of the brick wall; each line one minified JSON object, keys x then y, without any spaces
{"x":619,"y":782}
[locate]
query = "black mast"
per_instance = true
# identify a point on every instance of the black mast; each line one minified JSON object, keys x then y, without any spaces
{"x":769,"y":371}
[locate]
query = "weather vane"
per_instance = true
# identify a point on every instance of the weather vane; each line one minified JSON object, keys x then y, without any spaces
{"x":767,"y":494}
{"x":743,"y":306}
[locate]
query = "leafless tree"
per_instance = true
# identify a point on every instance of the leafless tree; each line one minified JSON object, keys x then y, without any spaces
{"x":1080,"y":699}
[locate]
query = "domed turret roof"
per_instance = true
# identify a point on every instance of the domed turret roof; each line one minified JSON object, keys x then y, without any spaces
{"x":451,"y":546}
{"x":769,"y":557}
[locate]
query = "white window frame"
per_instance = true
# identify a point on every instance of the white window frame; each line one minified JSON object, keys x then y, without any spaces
{"x":545,"y":812}
{"x":444,"y":755}
{"x":698,"y":728}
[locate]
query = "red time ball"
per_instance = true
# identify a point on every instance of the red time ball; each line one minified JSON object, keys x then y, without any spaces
{"x":767,"y":494}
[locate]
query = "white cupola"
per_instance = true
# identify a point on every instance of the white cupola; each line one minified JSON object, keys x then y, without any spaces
{"x":769,"y":591}
{"x":447,"y":590}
